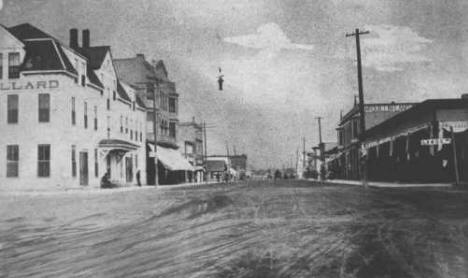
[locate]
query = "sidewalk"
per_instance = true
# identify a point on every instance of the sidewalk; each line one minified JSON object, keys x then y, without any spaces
{"x":385,"y":184}
{"x":30,"y":191}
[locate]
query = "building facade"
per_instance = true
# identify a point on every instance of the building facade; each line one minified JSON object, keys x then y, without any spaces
{"x":153,"y":85}
{"x":425,"y":143}
{"x":190,"y":141}
{"x":346,"y":162}
{"x":60,"y":111}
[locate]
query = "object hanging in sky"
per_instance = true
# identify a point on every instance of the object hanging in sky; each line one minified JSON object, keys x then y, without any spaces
{"x":220,"y":80}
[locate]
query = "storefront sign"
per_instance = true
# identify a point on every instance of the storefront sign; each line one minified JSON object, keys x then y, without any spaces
{"x":436,"y":141}
{"x":29,"y":85}
{"x":387,"y":107}
{"x":458,"y":126}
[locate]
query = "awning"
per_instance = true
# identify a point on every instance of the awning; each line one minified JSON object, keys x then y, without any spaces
{"x":117,"y":144}
{"x":172,"y":159}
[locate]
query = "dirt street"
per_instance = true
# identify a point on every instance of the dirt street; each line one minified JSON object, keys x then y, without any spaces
{"x":255,"y":229}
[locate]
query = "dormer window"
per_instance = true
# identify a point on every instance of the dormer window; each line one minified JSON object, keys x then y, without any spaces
{"x":13,"y":65}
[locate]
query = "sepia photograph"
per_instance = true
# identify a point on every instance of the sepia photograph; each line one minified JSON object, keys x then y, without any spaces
{"x":234,"y":138}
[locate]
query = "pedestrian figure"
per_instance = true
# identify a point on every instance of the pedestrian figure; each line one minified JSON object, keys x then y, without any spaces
{"x":138,"y":178}
{"x":105,"y":183}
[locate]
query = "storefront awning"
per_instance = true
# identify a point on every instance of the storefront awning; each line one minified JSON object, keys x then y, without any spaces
{"x":171,"y":159}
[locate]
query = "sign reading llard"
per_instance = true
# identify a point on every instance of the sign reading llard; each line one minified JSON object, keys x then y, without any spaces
{"x":29,"y":85}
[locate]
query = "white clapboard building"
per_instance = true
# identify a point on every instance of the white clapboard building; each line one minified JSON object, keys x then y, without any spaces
{"x":65,"y":118}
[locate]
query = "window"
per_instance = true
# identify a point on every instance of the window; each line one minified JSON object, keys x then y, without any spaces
{"x":1,"y":65}
{"x":85,"y":114}
{"x":95,"y":118}
{"x":131,"y":134}
{"x":149,"y":116}
{"x":73,"y":160}
{"x":108,"y":126}
{"x":108,"y":104}
{"x":96,"y":165}
{"x":126,"y":125}
{"x":114,"y":96}
{"x":12,"y":160}
{"x":73,"y":112}
{"x":43,"y":160}
{"x":133,"y":104}
{"x":13,"y":65}
{"x":44,"y":108}
{"x":172,"y":105}
{"x":77,"y":67}
{"x":172,"y":130}
{"x":141,"y":136}
{"x":12,"y":116}
{"x":121,"y":124}
{"x":150,"y":91}
{"x":83,"y":80}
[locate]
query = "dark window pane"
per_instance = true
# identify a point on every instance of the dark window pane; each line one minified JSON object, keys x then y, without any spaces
{"x":12,"y":108}
{"x":13,"y":65}
{"x":44,"y":108}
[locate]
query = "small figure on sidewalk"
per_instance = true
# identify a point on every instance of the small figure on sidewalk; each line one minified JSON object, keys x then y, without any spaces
{"x":105,"y":182}
{"x":138,"y":178}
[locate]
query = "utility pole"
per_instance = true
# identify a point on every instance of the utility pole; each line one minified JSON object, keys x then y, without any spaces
{"x":155,"y":132}
{"x":321,"y":147}
{"x":205,"y":150}
{"x":362,"y":125}
{"x":303,"y":155}
{"x":455,"y":159}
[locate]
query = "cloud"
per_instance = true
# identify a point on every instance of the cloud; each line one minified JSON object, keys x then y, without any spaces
{"x":268,"y":37}
{"x":390,"y":47}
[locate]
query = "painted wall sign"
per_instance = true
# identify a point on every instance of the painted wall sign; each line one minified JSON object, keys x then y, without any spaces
{"x":387,"y":107}
{"x":29,"y":85}
{"x":436,"y":141}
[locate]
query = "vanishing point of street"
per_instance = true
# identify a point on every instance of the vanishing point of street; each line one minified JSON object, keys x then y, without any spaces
{"x":251,"y":229}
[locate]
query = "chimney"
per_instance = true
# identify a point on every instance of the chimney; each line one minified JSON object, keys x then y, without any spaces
{"x":141,"y":55}
{"x":74,"y":38}
{"x":85,"y":38}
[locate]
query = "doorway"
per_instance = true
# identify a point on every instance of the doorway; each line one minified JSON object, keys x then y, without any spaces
{"x":84,"y":168}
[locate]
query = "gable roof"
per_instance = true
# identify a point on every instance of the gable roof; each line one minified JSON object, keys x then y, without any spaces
{"x":140,"y":102}
{"x":122,"y":93}
{"x":134,"y":70}
{"x":95,"y":55}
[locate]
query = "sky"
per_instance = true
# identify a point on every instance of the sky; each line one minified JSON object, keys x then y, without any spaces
{"x":284,"y":62}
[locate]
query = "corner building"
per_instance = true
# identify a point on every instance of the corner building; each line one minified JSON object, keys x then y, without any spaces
{"x":62,"y":111}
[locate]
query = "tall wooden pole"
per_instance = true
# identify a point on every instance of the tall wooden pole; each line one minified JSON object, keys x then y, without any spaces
{"x":155,"y":132}
{"x":455,"y":158}
{"x":205,"y":150}
{"x":362,"y":123}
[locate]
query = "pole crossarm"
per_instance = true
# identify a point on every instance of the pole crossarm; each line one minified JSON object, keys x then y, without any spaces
{"x":359,"y":32}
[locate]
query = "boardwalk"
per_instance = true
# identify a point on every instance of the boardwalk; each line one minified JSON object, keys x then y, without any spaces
{"x":259,"y":229}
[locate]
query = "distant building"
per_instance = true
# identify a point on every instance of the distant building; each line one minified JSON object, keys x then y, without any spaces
{"x":190,"y":141}
{"x":60,"y":111}
{"x":348,"y":133}
{"x":151,"y":80}
{"x":238,"y":163}
{"x":215,"y":169}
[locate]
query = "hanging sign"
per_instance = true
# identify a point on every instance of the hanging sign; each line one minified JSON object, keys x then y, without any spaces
{"x":436,"y":141}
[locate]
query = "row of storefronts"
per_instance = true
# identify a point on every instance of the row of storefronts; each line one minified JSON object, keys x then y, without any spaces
{"x":72,"y":115}
{"x":422,"y":142}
